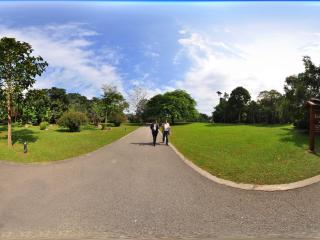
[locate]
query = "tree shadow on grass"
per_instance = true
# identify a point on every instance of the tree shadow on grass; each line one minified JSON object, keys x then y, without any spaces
{"x":23,"y":135}
{"x":299,"y":137}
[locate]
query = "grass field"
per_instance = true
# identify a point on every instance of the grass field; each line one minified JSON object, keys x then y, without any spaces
{"x":55,"y":143}
{"x":260,"y":154}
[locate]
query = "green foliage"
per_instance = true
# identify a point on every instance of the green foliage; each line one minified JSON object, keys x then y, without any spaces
{"x":300,"y":88}
{"x":113,"y":101}
{"x":72,"y":120}
{"x":58,"y":103}
{"x":36,"y":106}
{"x":239,"y":98}
{"x":269,"y":103}
{"x":77,"y":102}
{"x":43,"y":125}
{"x":107,"y":126}
{"x":117,"y":119}
{"x":18,"y":70}
{"x":175,"y":105}
{"x":96,"y":111}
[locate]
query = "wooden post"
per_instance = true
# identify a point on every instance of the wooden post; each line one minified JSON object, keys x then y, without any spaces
{"x":311,"y":129}
{"x":314,"y":124}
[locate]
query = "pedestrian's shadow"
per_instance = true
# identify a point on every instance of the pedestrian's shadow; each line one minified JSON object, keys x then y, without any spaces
{"x":144,"y":143}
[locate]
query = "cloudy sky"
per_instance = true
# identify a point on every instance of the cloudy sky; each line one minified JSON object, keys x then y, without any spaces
{"x":198,"y":47}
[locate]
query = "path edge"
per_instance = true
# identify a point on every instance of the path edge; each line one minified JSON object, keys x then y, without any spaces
{"x":84,"y":155}
{"x":247,"y":186}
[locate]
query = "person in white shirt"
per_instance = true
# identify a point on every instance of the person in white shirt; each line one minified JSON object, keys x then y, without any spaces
{"x":166,"y":132}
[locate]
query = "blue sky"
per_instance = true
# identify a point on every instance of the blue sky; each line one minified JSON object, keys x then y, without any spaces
{"x":199,"y":47}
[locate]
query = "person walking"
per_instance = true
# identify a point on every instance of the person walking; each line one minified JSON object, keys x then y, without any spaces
{"x":166,"y":132}
{"x":154,"y":130}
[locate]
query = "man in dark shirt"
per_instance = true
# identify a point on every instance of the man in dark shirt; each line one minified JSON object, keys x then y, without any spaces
{"x":154,"y":130}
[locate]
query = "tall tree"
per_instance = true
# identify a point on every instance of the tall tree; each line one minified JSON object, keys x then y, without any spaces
{"x":138,"y":100}
{"x":113,"y":100}
{"x":175,"y":105}
{"x":59,"y":102}
{"x":300,"y":88}
{"x":77,"y":102}
{"x":18,"y":69}
{"x":36,"y":106}
{"x":269,"y":102}
{"x":239,"y":98}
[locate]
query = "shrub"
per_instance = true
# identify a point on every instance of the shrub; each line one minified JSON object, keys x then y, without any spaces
{"x":72,"y":120}
{"x":106,"y":126}
{"x":43,"y":125}
{"x":117,"y":119}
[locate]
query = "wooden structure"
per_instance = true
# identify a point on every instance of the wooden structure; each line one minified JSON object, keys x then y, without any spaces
{"x":314,"y":121}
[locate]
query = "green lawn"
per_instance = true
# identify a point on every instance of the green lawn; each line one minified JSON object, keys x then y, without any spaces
{"x":261,"y":154}
{"x":55,"y":143}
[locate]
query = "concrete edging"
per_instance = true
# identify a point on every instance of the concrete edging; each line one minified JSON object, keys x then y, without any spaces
{"x":246,"y":186}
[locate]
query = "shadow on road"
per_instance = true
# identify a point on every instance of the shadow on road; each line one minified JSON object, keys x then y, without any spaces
{"x":144,"y":143}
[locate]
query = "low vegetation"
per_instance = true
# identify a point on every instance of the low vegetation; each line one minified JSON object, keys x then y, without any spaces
{"x":260,"y":154}
{"x":72,"y":120}
{"x":56,"y":143}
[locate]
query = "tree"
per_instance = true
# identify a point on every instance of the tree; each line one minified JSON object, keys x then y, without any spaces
{"x":113,"y":101}
{"x":269,"y":102}
{"x":18,"y":69}
{"x":138,"y":100}
{"x":36,"y":107}
{"x":221,"y":110}
{"x":77,"y":102}
{"x":175,"y":105}
{"x":239,"y":98}
{"x":59,"y":102}
{"x":96,"y":111}
{"x":300,"y":88}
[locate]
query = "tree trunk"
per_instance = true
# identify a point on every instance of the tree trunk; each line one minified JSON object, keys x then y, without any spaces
{"x":9,"y":106}
{"x":172,"y":120}
{"x":106,"y":120}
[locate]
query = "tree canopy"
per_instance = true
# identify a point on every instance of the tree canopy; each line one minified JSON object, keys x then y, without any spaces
{"x":175,"y":105}
{"x":18,"y":69}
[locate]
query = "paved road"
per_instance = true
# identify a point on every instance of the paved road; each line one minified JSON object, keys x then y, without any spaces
{"x":132,"y":189}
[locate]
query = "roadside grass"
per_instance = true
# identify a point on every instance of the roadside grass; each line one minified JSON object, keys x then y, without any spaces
{"x":258,"y":154}
{"x":56,"y":143}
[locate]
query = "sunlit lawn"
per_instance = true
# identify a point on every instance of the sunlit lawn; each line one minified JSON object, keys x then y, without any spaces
{"x":261,"y":154}
{"x":55,"y":143}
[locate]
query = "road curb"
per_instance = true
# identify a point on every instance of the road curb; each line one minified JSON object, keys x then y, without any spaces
{"x":246,"y":186}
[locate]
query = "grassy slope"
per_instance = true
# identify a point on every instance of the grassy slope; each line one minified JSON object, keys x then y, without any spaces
{"x":54,"y":144}
{"x":258,"y":154}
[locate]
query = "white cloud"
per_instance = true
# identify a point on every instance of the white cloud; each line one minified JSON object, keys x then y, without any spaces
{"x":262,"y":62}
{"x":72,"y":64}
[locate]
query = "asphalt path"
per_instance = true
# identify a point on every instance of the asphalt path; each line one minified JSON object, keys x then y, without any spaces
{"x":131,"y":189}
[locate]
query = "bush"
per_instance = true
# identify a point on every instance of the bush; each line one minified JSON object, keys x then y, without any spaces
{"x":43,"y":125}
{"x":72,"y":120}
{"x":106,"y":126}
{"x":117,"y":119}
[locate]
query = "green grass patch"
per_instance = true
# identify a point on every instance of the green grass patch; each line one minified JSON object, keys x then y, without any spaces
{"x":56,"y":143}
{"x":260,"y":154}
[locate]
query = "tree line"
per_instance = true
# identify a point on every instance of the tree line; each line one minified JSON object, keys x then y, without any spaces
{"x":272,"y":106}
{"x":38,"y":105}
{"x":20,"y":103}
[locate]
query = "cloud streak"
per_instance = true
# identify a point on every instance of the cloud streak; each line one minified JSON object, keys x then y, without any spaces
{"x":73,"y":64}
{"x":262,"y":62}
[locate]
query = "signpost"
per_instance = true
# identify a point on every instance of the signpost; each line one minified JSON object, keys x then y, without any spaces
{"x":314,"y":121}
